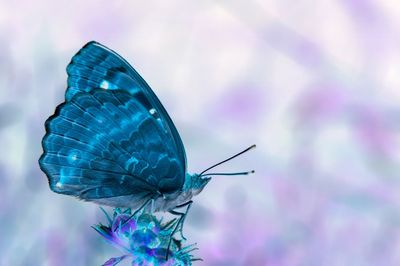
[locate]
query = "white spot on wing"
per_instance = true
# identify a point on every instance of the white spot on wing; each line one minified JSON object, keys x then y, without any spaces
{"x":73,"y":156}
{"x":105,"y":85}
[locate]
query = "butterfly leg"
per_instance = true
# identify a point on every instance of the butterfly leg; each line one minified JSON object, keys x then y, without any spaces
{"x":179,"y":223}
{"x":171,"y":236}
{"x":137,"y":211}
{"x":188,"y":204}
{"x":107,"y":216}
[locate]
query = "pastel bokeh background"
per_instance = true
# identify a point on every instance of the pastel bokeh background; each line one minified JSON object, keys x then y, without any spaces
{"x":315,"y":84}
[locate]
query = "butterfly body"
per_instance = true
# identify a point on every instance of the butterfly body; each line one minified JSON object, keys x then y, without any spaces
{"x":162,"y":202}
{"x":112,"y":142}
{"x":193,"y":185}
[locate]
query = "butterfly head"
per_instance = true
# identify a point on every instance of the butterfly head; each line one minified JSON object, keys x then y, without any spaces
{"x":195,"y":183}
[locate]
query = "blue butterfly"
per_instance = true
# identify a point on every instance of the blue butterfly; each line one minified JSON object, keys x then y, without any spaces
{"x":112,"y":142}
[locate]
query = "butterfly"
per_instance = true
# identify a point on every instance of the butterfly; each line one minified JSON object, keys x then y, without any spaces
{"x":113,"y":143}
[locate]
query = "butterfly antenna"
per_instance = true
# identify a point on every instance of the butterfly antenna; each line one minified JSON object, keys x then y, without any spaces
{"x":238,"y":173}
{"x":230,"y":158}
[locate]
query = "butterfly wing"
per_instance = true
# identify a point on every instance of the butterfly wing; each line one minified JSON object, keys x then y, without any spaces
{"x":105,"y":146}
{"x":96,"y":66}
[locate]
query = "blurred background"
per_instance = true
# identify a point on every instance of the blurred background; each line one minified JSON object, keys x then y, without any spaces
{"x":315,"y":84}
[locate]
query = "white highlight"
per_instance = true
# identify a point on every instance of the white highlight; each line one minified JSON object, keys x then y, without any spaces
{"x":105,"y":85}
{"x":59,"y":184}
{"x":152,"y":111}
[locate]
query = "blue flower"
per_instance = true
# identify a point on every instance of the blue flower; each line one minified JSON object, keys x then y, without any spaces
{"x":144,"y":238}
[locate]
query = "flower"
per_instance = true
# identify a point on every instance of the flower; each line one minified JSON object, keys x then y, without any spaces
{"x":144,"y":238}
